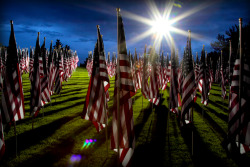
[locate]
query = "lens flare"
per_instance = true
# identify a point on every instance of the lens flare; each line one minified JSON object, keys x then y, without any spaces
{"x":75,"y":158}
{"x":88,"y":143}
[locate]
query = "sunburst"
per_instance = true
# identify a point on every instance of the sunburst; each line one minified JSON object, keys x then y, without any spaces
{"x":161,"y":24}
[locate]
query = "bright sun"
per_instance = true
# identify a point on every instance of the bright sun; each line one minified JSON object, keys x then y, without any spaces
{"x":161,"y":26}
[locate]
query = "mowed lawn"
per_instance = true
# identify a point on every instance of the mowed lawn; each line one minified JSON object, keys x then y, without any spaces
{"x":59,"y":132}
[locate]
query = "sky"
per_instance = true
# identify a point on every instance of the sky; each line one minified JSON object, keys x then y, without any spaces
{"x":74,"y":22}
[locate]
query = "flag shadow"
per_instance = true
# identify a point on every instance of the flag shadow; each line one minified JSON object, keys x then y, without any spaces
{"x":33,"y":137}
{"x":151,"y":142}
{"x":211,"y":121}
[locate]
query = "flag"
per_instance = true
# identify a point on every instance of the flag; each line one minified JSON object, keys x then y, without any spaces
{"x":113,"y":65}
{"x":96,"y":100}
{"x":203,"y":79}
{"x":239,"y":104}
{"x":145,"y":75}
{"x":1,"y":70}
{"x":173,"y":97}
{"x":89,"y":65}
{"x":35,"y":98}
{"x":188,"y":86}
{"x":51,"y":70}
{"x":31,"y":64}
{"x":239,"y":121}
{"x":2,"y":143}
{"x":59,"y":72}
{"x":126,"y":138}
{"x":136,"y":73}
{"x":12,"y":93}
{"x":223,"y":85}
{"x":45,"y":93}
{"x":154,"y":86}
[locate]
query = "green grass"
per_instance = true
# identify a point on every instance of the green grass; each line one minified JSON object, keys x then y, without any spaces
{"x":160,"y":141}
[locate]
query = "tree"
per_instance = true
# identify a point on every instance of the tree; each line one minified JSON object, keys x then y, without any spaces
{"x":58,"y":42}
{"x":222,"y":43}
{"x":67,"y":47}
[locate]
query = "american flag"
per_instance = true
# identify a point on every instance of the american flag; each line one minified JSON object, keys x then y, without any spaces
{"x":12,"y":93}
{"x":27,"y":62}
{"x":188,"y":86}
{"x":65,"y":65}
{"x":2,"y":143}
{"x":173,"y":97}
{"x":109,"y":68}
{"x":196,"y":73}
{"x":154,"y":86}
{"x":136,"y":74}
{"x":223,"y":85}
{"x":89,"y":63}
{"x":51,"y":70}
{"x":161,"y":71}
{"x":45,"y":92}
{"x":239,"y":121}
{"x":197,"y":69}
{"x":211,"y":78}
{"x":31,"y":62}
{"x":35,"y":100}
{"x":113,"y":66}
{"x":59,"y":72}
{"x":203,"y":79}
{"x":1,"y":70}
{"x":168,"y":69}
{"x":94,"y":108}
{"x":145,"y":75}
{"x":217,"y":72}
{"x":124,"y":136}
{"x":166,"y":76}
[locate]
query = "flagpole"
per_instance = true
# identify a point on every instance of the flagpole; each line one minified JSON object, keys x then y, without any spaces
{"x":192,"y":111}
{"x":118,"y":90}
{"x":221,"y":80}
{"x":230,"y":53}
{"x":104,"y":99}
{"x":32,"y":122}
{"x":240,"y":77}
{"x":106,"y":118}
{"x":15,"y":135}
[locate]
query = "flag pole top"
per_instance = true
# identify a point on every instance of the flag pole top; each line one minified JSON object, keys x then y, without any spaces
{"x":118,"y":10}
{"x":189,"y":31}
{"x":97,"y":26}
{"x":11,"y":21}
{"x":240,"y":19}
{"x":38,"y":33}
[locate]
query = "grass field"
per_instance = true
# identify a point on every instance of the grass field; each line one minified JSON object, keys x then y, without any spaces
{"x":61,"y":132}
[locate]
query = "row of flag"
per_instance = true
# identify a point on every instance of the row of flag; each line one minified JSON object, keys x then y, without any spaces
{"x":47,"y":70}
{"x":150,"y":74}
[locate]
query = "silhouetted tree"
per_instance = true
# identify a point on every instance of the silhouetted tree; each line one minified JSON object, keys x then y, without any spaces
{"x":58,"y":42}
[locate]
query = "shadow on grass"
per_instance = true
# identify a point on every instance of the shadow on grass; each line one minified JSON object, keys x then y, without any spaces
{"x":222,"y":103}
{"x":219,"y":115}
{"x":201,"y":150}
{"x":211,"y":120}
{"x":33,"y":137}
{"x":55,"y":152}
{"x":47,"y":113}
{"x":152,"y":152}
{"x":218,"y":104}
